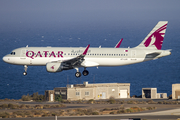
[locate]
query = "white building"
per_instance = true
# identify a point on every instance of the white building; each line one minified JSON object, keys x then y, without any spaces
{"x":96,"y":91}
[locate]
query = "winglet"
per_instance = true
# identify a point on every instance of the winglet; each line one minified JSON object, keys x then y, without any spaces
{"x":119,"y":43}
{"x":84,"y":53}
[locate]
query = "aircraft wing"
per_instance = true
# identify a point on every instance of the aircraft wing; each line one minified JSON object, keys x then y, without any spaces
{"x":77,"y":60}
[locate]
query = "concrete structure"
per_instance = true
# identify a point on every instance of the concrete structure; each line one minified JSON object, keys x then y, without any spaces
{"x":175,"y":91}
{"x":94,"y":91}
{"x":161,"y":95}
{"x":152,"y":93}
{"x":49,"y":95}
{"x":149,"y":93}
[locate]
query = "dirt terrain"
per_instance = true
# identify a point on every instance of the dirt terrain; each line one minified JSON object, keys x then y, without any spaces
{"x":18,"y":109}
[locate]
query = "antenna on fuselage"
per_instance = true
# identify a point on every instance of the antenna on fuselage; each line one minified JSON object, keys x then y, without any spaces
{"x":26,"y":45}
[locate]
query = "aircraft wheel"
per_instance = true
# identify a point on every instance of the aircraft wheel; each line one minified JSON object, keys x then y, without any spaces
{"x":78,"y":74}
{"x":85,"y":73}
{"x":24,"y":73}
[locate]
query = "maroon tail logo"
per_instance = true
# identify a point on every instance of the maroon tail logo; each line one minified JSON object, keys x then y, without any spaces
{"x":156,"y":38}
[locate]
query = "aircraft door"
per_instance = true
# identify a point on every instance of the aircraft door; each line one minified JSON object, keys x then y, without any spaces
{"x":51,"y":97}
{"x":133,"y":54}
{"x":123,"y":94}
{"x":103,"y":95}
{"x":23,"y":53}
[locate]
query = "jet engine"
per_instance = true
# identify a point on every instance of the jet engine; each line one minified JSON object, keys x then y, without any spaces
{"x":57,"y":67}
{"x":54,"y":67}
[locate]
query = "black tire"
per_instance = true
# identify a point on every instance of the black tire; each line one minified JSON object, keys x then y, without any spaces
{"x":85,"y":72}
{"x":78,"y":74}
{"x":24,"y":73}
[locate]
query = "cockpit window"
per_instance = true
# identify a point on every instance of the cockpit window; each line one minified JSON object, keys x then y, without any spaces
{"x":13,"y":53}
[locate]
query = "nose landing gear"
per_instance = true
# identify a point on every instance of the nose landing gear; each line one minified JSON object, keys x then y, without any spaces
{"x":25,"y":70}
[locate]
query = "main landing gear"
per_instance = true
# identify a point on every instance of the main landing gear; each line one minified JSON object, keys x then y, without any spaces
{"x":25,"y":70}
{"x":78,"y":74}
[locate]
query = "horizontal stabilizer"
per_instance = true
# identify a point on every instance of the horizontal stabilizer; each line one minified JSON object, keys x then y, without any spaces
{"x":152,"y":55}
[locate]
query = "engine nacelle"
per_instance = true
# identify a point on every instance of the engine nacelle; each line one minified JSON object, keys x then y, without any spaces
{"x":54,"y":67}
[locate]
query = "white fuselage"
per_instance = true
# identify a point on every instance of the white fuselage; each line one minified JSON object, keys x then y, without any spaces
{"x":94,"y":56}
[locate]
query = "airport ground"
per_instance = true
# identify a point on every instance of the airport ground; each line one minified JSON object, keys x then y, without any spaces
{"x":162,"y":111}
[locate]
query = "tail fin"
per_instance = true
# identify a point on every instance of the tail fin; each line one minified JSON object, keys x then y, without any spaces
{"x":155,"y":38}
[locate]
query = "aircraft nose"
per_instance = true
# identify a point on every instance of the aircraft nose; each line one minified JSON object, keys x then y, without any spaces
{"x":5,"y":59}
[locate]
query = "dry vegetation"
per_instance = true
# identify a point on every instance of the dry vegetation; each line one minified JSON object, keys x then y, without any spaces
{"x":6,"y":99}
{"x":23,"y":106}
{"x":41,"y":110}
{"x":70,"y":112}
{"x":118,"y":101}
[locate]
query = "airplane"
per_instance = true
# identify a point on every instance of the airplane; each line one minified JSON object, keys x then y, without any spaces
{"x":57,"y":59}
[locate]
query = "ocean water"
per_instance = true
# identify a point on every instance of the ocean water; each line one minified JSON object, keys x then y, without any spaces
{"x":160,"y":73}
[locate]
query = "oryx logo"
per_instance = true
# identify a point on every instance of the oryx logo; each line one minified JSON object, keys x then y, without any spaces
{"x":52,"y":67}
{"x":156,"y":38}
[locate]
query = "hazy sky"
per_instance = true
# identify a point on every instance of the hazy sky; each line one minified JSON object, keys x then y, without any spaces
{"x":60,"y":12}
{"x":11,"y":10}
